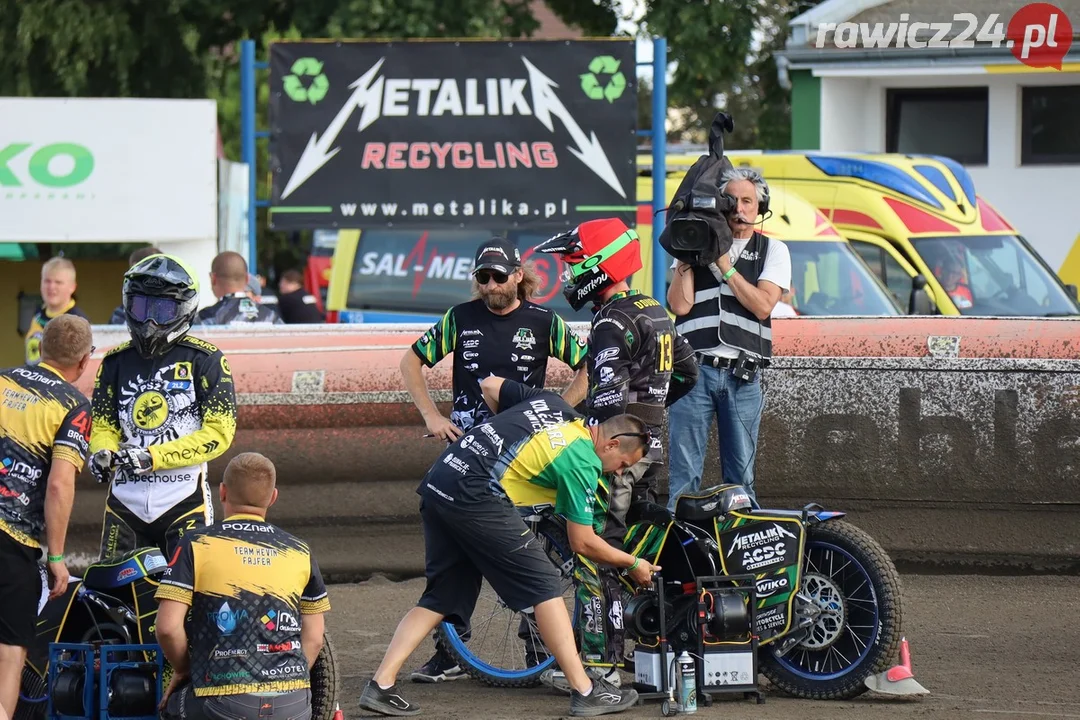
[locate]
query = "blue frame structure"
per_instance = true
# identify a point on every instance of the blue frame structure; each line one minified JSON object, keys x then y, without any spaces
{"x":249,"y":134}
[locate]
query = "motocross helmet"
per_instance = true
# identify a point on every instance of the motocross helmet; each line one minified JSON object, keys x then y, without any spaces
{"x":598,"y":254}
{"x":161,"y":296}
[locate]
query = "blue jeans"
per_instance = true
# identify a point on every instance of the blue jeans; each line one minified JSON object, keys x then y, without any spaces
{"x":737,"y":406}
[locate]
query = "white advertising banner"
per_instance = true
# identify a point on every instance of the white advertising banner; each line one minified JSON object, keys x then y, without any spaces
{"x":107,"y":170}
{"x":233,"y":203}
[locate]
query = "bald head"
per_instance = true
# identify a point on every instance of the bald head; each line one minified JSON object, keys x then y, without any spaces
{"x":228,"y":273}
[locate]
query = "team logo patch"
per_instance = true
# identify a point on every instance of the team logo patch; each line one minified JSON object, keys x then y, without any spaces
{"x":182,"y":371}
{"x":225,"y":366}
{"x":150,"y":410}
{"x":524,"y":339}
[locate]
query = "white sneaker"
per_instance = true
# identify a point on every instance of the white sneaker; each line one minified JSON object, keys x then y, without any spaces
{"x":556,"y":679}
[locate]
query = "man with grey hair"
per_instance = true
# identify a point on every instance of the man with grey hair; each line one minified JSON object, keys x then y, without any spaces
{"x":724,"y":311}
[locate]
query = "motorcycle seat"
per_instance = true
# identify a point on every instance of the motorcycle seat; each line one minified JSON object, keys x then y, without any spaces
{"x":712,"y":503}
{"x":125,"y":569}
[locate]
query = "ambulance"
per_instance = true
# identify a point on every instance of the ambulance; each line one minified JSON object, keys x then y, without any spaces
{"x":917,"y":220}
{"x":405,"y":276}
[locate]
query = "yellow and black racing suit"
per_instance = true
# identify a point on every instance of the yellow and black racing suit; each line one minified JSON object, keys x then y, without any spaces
{"x":181,"y":408}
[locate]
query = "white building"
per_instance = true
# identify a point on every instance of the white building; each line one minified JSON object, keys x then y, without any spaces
{"x":1016,"y":127}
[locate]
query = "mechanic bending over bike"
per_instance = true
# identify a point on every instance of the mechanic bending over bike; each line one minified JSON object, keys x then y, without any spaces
{"x":535,"y":450}
{"x":164,"y":405}
{"x":500,"y":332}
{"x":256,"y":600}
{"x":637,"y":363}
{"x":44,"y":426}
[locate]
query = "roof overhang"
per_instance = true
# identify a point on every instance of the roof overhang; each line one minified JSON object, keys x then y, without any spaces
{"x":930,"y":61}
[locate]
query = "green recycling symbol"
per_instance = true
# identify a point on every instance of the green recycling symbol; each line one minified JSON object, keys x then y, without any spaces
{"x":590,"y":83}
{"x":295,"y":88}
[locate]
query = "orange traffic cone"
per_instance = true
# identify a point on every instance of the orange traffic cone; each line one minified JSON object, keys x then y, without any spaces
{"x":338,"y":715}
{"x":897,"y":680}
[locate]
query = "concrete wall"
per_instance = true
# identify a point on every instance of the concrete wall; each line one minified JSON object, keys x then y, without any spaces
{"x":853,"y":119}
{"x":948,"y":439}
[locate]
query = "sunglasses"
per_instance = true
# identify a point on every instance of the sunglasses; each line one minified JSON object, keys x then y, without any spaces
{"x":646,"y":437}
{"x":483,"y":277}
{"x":161,"y":311}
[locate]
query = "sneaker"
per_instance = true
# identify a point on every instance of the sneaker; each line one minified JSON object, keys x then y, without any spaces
{"x":440,"y":667}
{"x":604,"y":699}
{"x":556,"y":679}
{"x":387,"y":702}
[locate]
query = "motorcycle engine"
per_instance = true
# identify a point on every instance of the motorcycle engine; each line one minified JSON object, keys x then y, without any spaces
{"x":724,"y":617}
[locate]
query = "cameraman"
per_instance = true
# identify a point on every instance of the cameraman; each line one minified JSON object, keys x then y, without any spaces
{"x":724,"y":309}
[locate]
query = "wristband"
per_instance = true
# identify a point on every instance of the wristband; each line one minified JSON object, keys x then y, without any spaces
{"x":56,"y":558}
{"x":634,"y":566}
{"x":729,"y":273}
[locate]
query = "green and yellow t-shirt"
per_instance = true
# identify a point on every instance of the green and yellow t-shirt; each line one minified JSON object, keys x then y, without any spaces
{"x":536,"y":451}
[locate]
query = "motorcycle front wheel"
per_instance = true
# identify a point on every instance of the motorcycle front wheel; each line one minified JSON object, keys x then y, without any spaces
{"x":856,"y":589}
{"x":505,"y":648}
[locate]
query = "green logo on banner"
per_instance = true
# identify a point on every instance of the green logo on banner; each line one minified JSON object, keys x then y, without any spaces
{"x":294,"y":85}
{"x":607,"y":68}
{"x":59,"y":165}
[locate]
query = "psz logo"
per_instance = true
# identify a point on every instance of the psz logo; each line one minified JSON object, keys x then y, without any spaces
{"x":767,"y":587}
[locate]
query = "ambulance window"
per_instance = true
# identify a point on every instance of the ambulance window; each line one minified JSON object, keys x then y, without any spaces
{"x":1048,"y":127}
{"x":940,"y":121}
{"x":871,"y":254}
{"x":896,"y":278}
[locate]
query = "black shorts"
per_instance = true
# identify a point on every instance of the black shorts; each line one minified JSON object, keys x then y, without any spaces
{"x":467,"y":542}
{"x":20,"y":590}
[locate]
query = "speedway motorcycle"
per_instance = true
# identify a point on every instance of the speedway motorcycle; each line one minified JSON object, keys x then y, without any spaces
{"x":826,"y":615}
{"x":113,"y":604}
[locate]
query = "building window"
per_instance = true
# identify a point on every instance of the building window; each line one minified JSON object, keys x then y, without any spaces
{"x":1050,"y":126}
{"x":941,"y":121}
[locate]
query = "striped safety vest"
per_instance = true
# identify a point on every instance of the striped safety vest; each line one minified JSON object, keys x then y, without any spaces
{"x":717,"y":317}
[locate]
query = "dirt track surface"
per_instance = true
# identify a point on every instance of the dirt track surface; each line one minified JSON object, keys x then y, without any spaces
{"x":985,"y":647}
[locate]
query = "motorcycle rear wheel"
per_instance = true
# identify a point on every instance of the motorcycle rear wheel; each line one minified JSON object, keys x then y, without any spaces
{"x":855,"y":581}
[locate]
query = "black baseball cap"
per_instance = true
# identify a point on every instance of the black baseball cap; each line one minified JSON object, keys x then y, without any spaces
{"x":498,"y":254}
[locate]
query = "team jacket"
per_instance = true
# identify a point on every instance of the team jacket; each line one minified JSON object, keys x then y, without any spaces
{"x":182,"y":408}
{"x":237,"y":308}
{"x":247,"y":583}
{"x":43,"y":418}
{"x":637,"y":362}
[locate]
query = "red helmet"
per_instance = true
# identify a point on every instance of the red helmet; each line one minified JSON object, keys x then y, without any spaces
{"x":599,"y":254}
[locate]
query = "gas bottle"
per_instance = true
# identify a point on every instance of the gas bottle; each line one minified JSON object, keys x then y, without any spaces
{"x":687,"y":674}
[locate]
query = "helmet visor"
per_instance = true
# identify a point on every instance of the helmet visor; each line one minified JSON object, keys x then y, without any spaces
{"x":159,"y":310}
{"x":604,"y":253}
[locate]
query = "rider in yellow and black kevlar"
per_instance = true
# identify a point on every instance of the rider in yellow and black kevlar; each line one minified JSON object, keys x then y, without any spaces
{"x":164,"y":406}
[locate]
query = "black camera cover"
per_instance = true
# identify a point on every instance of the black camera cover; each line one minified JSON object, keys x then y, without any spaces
{"x":697,"y":231}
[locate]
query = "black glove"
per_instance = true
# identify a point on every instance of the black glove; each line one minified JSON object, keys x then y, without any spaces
{"x":101,"y":465}
{"x":135,"y":461}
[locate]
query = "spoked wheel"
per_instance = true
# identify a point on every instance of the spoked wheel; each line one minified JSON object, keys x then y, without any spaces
{"x":854,"y":592}
{"x":504,"y":648}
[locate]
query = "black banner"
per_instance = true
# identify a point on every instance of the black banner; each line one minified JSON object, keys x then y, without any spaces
{"x":484,"y":134}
